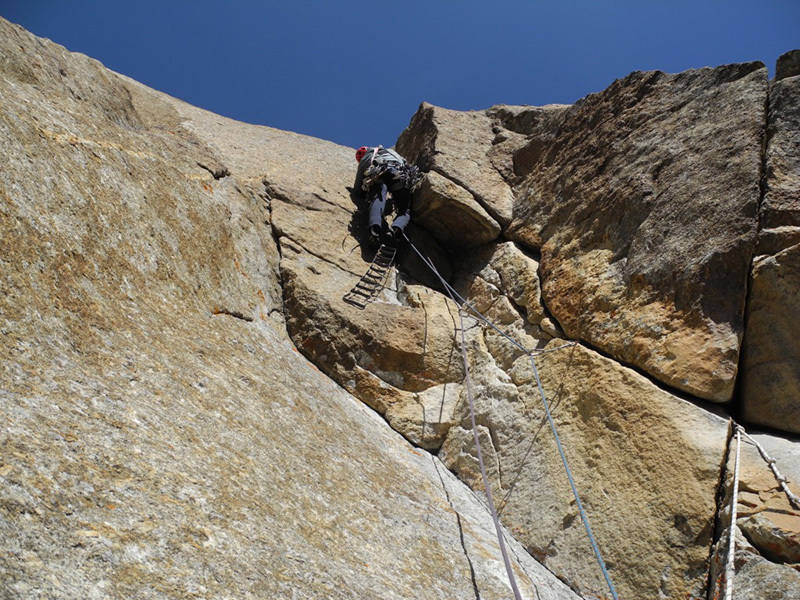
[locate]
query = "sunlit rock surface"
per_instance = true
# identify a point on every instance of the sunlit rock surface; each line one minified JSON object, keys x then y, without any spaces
{"x":161,"y":435}
{"x":191,"y":409}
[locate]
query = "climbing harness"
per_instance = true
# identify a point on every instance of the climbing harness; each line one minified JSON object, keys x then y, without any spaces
{"x":374,"y":280}
{"x":403,"y":174}
{"x":461,"y":303}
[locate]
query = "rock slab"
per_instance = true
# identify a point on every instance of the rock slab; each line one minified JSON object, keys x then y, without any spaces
{"x":771,"y":358}
{"x":161,"y":436}
{"x":644,"y":208}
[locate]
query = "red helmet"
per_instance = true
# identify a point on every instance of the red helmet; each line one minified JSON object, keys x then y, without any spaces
{"x":360,"y":153}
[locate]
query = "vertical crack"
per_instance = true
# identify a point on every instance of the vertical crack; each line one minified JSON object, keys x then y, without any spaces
{"x":472,"y":576}
{"x":275,"y":234}
{"x":737,"y":402}
{"x":719,"y":530}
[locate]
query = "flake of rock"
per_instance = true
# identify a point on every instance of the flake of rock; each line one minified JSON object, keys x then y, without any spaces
{"x":644,"y":208}
{"x":458,"y":145}
{"x":451,"y":213}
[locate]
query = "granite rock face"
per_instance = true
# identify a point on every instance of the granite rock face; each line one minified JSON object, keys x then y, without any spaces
{"x":161,"y":436}
{"x":646,"y":463}
{"x":459,"y":146}
{"x":767,"y":532}
{"x":191,"y":409}
{"x":451,"y":214}
{"x":644,"y":209}
{"x":771,"y":364}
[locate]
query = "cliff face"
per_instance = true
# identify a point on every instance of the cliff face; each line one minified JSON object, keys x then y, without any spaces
{"x":161,"y":266}
{"x":161,"y":436}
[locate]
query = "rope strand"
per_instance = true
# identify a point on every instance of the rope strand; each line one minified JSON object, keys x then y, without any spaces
{"x":793,"y":499}
{"x":578,"y":502}
{"x":487,"y":487}
{"x":729,"y":559}
{"x":584,"y":518}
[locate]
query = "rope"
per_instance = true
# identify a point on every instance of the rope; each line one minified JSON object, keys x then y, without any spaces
{"x":793,"y":499}
{"x":468,"y":381}
{"x":729,"y":560}
{"x":487,"y":487}
{"x":584,"y":518}
{"x":578,"y":502}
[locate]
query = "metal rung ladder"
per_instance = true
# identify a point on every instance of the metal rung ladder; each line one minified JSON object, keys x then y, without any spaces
{"x":372,"y":282}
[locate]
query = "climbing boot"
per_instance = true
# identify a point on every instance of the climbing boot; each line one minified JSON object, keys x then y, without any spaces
{"x":393,"y":236}
{"x":374,"y":237}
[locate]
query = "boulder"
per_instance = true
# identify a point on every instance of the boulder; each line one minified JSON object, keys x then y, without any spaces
{"x":161,"y":436}
{"x":771,"y":349}
{"x":644,"y":209}
{"x":451,"y":214}
{"x":458,"y":146}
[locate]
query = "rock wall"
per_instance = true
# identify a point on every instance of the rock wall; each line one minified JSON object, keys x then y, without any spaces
{"x":161,"y":436}
{"x":641,"y":211}
{"x":767,"y":532}
{"x":771,"y":378}
{"x":161,"y":267}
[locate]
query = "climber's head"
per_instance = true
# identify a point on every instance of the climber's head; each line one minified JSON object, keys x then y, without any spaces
{"x":360,"y":153}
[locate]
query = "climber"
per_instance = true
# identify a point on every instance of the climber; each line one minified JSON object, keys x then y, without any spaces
{"x":382,"y":172}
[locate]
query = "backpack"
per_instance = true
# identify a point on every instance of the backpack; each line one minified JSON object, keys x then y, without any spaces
{"x":381,"y":157}
{"x":383,"y":160}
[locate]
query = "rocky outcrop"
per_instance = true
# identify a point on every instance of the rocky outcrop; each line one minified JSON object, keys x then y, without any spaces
{"x":644,"y":231}
{"x":651,"y":485}
{"x":646,"y":228}
{"x":161,"y":435}
{"x":459,"y":146}
{"x":771,"y":363}
{"x":644,"y":208}
{"x":166,"y":273}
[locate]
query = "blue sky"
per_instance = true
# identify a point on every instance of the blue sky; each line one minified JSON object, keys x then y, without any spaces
{"x":354,"y":72}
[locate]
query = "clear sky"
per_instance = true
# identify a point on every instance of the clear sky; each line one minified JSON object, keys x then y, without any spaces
{"x":354,"y":72}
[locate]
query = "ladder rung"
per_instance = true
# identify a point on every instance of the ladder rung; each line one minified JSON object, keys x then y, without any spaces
{"x":365,"y":291}
{"x":372,"y":282}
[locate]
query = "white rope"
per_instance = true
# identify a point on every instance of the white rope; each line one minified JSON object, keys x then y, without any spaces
{"x":793,"y":499}
{"x":487,"y":487}
{"x":530,"y":353}
{"x":729,"y":561}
